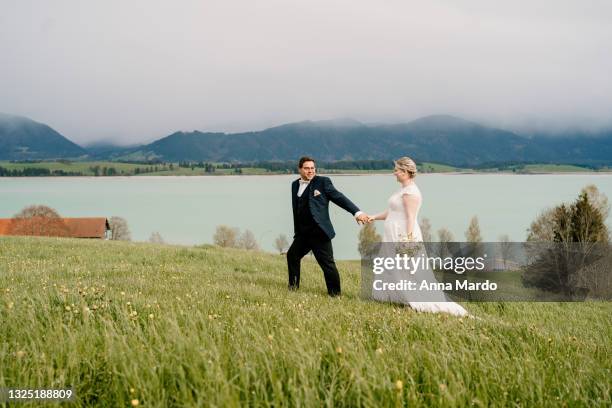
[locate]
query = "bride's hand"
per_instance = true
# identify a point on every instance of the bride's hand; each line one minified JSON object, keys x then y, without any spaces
{"x":370,"y":219}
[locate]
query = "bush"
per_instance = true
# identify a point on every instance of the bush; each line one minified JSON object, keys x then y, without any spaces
{"x":580,"y":240}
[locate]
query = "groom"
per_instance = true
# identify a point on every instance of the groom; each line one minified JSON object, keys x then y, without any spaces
{"x":310,"y":196}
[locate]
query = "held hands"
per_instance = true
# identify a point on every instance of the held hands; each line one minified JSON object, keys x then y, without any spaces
{"x":364,"y":218}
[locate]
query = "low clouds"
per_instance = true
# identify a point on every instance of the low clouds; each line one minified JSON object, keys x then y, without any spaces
{"x":139,"y":70}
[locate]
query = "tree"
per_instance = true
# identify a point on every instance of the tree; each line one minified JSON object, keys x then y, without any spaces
{"x":247,"y":241}
{"x":280,"y":243}
{"x":38,"y":220}
{"x":474,"y":239}
{"x":156,"y":238}
{"x":541,"y":229}
{"x":119,"y":229}
{"x":37,"y":211}
{"x":226,"y":236}
{"x":580,"y":238}
{"x":582,"y":221}
{"x":597,"y":200}
{"x":445,"y":237}
{"x":505,"y":247}
{"x":426,"y":230}
{"x":578,"y":222}
{"x":586,"y":221}
{"x":368,"y":240}
{"x":473,"y":232}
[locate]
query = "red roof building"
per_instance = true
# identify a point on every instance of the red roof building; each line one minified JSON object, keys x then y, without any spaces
{"x":97,"y":227}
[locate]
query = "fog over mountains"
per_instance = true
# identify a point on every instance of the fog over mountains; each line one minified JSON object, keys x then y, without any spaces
{"x":438,"y":138}
{"x":24,"y":139}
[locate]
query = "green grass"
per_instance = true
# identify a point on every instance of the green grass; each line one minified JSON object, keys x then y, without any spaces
{"x":85,"y":168}
{"x":425,"y":167}
{"x":439,"y":168}
{"x":76,"y":166}
{"x":180,"y":326}
{"x":554,"y":168}
{"x":187,"y":171}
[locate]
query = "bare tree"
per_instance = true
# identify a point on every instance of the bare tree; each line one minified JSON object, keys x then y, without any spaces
{"x":37,"y":211}
{"x":444,"y":236}
{"x":473,"y":232}
{"x":38,"y":220}
{"x":368,"y":240}
{"x":505,"y":247}
{"x":156,"y":238}
{"x":597,"y":278}
{"x":280,"y":243}
{"x":226,"y":236}
{"x":247,"y":241}
{"x":474,"y":239}
{"x":119,"y":229}
{"x":542,"y":228}
{"x":597,"y":199}
{"x":426,"y":229}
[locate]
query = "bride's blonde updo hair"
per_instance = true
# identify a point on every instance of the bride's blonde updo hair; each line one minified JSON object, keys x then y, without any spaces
{"x":407,"y":165}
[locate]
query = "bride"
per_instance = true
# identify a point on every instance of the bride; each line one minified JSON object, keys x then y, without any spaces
{"x":401,"y":225}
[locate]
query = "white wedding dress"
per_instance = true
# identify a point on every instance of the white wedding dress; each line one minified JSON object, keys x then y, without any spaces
{"x":395,"y":232}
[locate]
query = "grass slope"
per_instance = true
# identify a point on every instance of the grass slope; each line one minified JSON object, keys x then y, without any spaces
{"x":178,"y":326}
{"x":74,"y":166}
{"x":555,"y":168}
{"x":128,"y":169}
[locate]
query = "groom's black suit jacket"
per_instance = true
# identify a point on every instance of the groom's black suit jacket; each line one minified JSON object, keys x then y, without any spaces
{"x":319,"y":203}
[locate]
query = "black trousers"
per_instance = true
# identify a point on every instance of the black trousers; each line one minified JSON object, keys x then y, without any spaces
{"x":321,"y":247}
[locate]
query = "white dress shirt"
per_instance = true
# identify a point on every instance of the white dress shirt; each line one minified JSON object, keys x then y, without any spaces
{"x":303,"y":185}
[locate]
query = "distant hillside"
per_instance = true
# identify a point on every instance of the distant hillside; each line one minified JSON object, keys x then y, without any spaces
{"x":102,"y":150}
{"x":24,"y":139}
{"x":439,"y":138}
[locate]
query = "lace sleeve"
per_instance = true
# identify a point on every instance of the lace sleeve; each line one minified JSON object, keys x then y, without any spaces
{"x":410,"y":190}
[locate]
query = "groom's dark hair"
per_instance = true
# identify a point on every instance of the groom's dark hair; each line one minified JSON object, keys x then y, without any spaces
{"x":304,"y":159}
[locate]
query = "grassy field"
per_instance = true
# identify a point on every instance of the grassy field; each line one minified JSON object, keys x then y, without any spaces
{"x":86,"y":168}
{"x":129,"y":169}
{"x":82,"y":167}
{"x":187,"y":171}
{"x":438,"y":168}
{"x":554,"y":168}
{"x":173,"y":326}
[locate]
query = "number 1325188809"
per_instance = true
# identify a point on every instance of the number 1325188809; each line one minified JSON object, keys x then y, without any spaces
{"x":37,"y":394}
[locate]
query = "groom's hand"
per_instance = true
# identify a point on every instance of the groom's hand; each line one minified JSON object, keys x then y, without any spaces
{"x":362,"y":218}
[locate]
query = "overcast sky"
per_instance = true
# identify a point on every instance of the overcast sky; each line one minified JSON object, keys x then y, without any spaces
{"x":135,"y":70}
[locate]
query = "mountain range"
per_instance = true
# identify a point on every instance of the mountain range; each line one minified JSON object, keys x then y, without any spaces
{"x":24,"y":139}
{"x":438,"y":138}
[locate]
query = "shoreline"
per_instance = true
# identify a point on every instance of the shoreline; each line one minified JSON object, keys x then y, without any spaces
{"x":450,"y":173}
